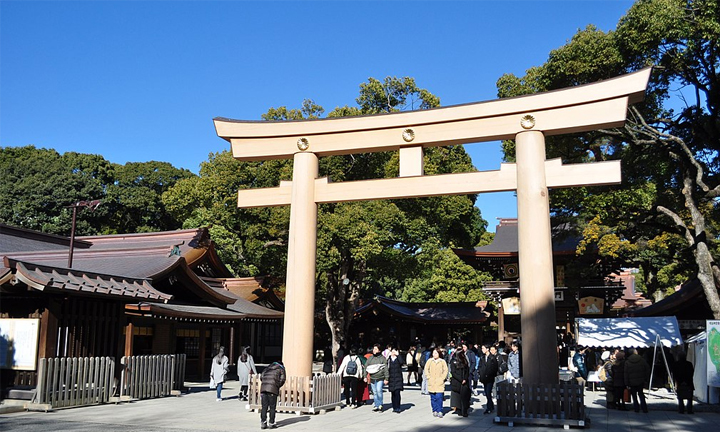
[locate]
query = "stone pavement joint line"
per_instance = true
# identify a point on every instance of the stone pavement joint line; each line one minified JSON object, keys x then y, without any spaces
{"x":197,"y":410}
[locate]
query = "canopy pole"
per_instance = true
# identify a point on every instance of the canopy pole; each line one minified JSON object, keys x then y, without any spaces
{"x":667,"y":366}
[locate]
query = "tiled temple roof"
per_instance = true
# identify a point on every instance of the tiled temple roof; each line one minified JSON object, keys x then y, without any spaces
{"x":48,"y":278}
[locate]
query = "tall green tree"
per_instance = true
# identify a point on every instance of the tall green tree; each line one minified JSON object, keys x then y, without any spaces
{"x":364,"y":248}
{"x":663,"y":218}
{"x":38,"y":186}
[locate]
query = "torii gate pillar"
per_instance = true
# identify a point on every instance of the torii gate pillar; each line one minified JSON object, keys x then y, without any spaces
{"x":298,"y":326}
{"x":535,"y":258}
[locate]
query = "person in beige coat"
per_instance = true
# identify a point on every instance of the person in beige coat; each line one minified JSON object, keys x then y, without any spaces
{"x":436,"y":372}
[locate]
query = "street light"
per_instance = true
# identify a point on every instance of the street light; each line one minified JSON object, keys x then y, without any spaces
{"x":92,"y":205}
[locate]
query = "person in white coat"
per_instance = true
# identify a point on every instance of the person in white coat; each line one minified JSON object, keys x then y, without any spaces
{"x":351,"y":370}
{"x":245,"y":369}
{"x":218,"y":371}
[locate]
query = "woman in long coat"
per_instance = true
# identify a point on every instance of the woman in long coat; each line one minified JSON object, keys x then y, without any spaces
{"x":245,"y":368}
{"x":460,"y":381}
{"x":395,"y":378}
{"x":218,"y":371}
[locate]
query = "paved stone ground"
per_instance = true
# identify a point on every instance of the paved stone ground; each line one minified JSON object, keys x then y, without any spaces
{"x":199,"y":411}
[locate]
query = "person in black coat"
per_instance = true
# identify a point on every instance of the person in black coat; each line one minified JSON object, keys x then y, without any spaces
{"x":682,"y":373}
{"x":460,"y":382}
{"x":273,"y":377}
{"x":395,"y":378}
{"x":618,"y":380}
{"x":487,"y":371}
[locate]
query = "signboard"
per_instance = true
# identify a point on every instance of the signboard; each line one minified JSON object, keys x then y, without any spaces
{"x":713,"y":353}
{"x":18,"y":343}
{"x":590,"y":306}
{"x":511,"y":306}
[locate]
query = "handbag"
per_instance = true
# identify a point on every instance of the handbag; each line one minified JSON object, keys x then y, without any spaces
{"x":212,"y":383}
{"x":374,"y":368}
{"x":626,"y":395}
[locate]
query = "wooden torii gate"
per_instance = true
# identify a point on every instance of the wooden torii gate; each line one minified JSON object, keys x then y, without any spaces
{"x":526,"y":119}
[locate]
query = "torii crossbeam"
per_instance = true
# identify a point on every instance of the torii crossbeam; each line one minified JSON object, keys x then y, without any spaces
{"x":526,"y":119}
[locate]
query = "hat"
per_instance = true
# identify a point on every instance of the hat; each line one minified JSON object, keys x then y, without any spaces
{"x":605,"y":355}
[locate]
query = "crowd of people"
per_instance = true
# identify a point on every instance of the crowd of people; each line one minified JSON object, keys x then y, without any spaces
{"x":465,"y":367}
{"x":625,"y":374}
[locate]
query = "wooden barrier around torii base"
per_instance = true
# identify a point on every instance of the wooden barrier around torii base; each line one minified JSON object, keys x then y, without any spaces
{"x":526,"y":119}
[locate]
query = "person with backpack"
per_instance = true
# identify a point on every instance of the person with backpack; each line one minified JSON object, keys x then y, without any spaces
{"x":273,"y":377}
{"x":351,"y":371}
{"x":502,"y":361}
{"x":412,"y":365}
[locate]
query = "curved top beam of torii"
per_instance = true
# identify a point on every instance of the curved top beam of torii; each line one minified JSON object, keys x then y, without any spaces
{"x":575,"y":109}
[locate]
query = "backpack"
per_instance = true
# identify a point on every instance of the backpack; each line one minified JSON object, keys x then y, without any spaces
{"x":351,"y":368}
{"x":425,"y":357}
{"x":502,"y":365}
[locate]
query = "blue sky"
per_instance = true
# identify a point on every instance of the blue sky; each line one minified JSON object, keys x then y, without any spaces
{"x":141,"y":81}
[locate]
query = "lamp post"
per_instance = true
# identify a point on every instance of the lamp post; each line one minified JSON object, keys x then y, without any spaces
{"x":92,"y":205}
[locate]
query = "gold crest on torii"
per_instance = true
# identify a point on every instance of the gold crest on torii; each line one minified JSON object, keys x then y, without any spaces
{"x":526,"y":119}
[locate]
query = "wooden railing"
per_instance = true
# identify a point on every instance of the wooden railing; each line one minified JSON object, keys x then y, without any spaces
{"x":301,"y":394}
{"x":74,"y":381}
{"x":152,"y":376}
{"x":548,"y":404}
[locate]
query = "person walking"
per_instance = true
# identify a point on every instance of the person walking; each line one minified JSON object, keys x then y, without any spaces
{"x":435,"y":374}
{"x":618,"y":380}
{"x":395,"y":378}
{"x":682,"y":373}
{"x":487,"y":371}
{"x":376,"y":367}
{"x":351,"y":371}
{"x":460,"y":380}
{"x":245,"y":368}
{"x":637,"y":373}
{"x":273,"y":377}
{"x":218,"y":371}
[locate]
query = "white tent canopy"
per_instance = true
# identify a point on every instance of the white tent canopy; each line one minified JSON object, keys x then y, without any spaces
{"x":641,"y":332}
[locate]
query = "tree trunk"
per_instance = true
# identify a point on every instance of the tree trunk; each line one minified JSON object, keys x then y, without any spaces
{"x":697,"y":240}
{"x":705,"y":275}
{"x":342,"y":295}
